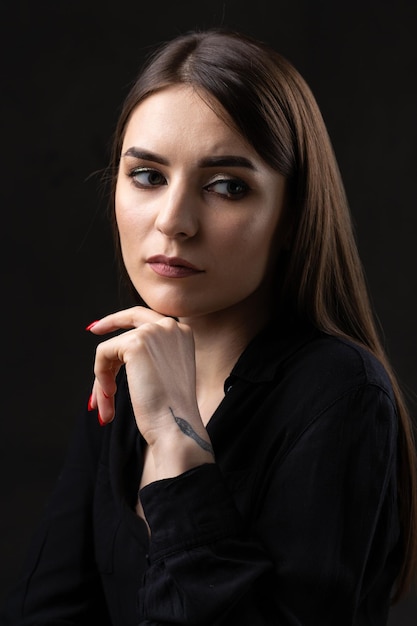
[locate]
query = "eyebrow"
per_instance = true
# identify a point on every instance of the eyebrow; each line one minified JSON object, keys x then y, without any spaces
{"x":227,"y":161}
{"x":145,"y":156}
{"x":213,"y":161}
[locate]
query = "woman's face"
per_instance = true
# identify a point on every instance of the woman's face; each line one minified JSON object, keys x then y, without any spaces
{"x":198,"y":211}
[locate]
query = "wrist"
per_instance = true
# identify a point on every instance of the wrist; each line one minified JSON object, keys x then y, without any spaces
{"x":179,"y":451}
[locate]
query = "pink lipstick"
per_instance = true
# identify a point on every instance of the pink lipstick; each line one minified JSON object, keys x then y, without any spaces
{"x":172,"y":267}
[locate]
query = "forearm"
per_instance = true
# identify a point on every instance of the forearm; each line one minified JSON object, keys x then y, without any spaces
{"x":202,"y":561}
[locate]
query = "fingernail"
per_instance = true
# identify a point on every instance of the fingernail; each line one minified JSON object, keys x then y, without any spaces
{"x":89,"y":405}
{"x":90,"y":326}
{"x":100,"y":421}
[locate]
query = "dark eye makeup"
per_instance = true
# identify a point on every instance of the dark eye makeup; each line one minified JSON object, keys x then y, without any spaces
{"x":228,"y":187}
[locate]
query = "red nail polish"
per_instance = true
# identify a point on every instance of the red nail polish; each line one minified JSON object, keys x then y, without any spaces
{"x":89,"y":405}
{"x":100,"y":421}
{"x":90,"y":326}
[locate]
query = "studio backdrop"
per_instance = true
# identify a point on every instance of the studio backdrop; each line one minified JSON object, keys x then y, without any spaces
{"x":66,"y":67}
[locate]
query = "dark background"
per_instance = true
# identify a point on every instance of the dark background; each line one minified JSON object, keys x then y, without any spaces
{"x":65,"y":69}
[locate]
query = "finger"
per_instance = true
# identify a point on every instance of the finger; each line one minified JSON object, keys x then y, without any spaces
{"x":105,"y":407}
{"x":125,"y":319}
{"x":106,"y":368}
{"x":102,"y":404}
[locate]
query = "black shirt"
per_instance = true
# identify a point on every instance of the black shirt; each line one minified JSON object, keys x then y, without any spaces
{"x":296,"y":524}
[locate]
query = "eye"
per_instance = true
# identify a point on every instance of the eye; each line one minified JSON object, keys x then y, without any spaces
{"x":146,"y":177}
{"x":230,"y":188}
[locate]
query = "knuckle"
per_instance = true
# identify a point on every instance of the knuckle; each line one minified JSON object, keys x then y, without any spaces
{"x":100,"y":351}
{"x":144,"y":330}
{"x":134,"y":342}
{"x":169,"y":323}
{"x":134,"y":313}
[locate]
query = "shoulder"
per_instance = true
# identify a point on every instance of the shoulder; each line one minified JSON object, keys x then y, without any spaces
{"x":305,"y":387}
{"x":309,"y":361}
{"x":306,"y":371}
{"x":341,"y":362}
{"x":332,"y":378}
{"x":304,"y":352}
{"x":345,"y":364}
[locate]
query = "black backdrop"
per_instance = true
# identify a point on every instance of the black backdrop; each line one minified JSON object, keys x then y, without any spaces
{"x":66,"y":66}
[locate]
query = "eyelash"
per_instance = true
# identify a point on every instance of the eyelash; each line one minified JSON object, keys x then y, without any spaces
{"x":225,"y":180}
{"x":237,"y":182}
{"x":143,"y":170}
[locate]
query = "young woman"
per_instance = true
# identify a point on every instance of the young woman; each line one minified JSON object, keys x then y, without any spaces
{"x":246,"y":456}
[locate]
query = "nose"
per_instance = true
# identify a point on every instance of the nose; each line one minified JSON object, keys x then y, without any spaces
{"x":177,"y":217}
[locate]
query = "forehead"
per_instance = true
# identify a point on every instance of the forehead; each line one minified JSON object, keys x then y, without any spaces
{"x":181,"y":114}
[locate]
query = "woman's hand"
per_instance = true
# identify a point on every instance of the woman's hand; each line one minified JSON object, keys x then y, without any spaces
{"x":159,"y":356}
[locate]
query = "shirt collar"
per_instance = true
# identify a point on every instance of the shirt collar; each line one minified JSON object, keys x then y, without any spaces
{"x":277,"y":341}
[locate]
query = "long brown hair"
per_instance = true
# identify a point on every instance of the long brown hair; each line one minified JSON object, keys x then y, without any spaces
{"x":270,"y":104}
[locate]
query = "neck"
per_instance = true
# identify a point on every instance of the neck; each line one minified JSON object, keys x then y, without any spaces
{"x":220,"y":339}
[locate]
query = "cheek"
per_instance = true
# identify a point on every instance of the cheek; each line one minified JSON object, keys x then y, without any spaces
{"x":129,"y":220}
{"x":256,"y":242}
{"x":125,"y":222}
{"x":120,"y":212}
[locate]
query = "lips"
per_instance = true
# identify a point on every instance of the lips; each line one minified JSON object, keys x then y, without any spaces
{"x":172,"y":267}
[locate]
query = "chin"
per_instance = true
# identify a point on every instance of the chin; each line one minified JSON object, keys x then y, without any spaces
{"x":168,"y":307}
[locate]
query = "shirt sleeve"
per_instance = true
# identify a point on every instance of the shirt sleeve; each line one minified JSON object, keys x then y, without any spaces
{"x":59,"y":583}
{"x":201,"y":558}
{"x":320,"y":545}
